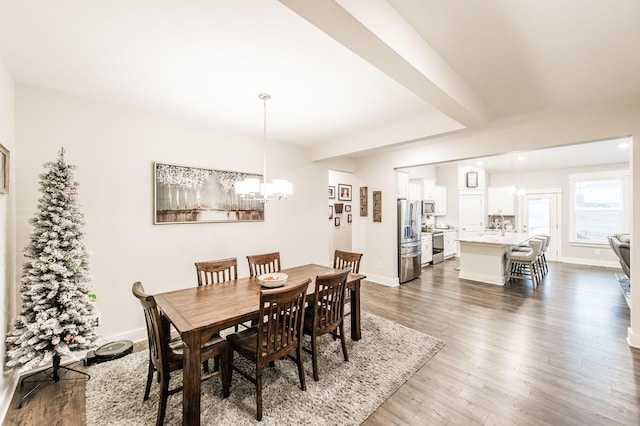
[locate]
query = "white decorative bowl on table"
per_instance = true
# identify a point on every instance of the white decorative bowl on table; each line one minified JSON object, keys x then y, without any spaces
{"x":273,"y":279}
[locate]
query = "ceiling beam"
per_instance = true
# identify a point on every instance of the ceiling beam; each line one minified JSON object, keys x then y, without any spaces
{"x":373,"y":30}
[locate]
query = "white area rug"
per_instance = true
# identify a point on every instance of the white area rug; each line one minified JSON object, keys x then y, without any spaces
{"x":625,"y":285}
{"x":348,"y":392}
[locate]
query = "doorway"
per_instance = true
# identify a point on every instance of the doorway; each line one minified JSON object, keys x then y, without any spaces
{"x":541,"y":213}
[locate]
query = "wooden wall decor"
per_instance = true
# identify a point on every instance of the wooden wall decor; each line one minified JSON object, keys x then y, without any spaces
{"x":364,"y":195}
{"x":377,"y":206}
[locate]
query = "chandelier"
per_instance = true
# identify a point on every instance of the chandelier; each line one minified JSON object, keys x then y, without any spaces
{"x":252,"y":188}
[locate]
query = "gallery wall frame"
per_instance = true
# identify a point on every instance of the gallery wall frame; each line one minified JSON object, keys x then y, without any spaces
{"x":344,"y":192}
{"x":337,"y":221}
{"x":377,"y":206}
{"x":364,"y":196}
{"x":332,"y":192}
{"x":4,"y":170}
{"x":330,"y":212}
{"x":186,"y":194}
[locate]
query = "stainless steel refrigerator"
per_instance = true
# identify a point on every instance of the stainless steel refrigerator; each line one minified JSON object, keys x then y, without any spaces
{"x":409,"y":239}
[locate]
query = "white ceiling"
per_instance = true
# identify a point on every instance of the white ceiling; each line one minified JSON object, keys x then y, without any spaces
{"x":343,"y":74}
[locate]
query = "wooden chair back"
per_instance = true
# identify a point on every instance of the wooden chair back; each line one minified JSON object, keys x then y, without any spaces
{"x":157,"y":330}
{"x":283,"y":312}
{"x":328,"y":302}
{"x":345,"y":259}
{"x":264,"y":263}
{"x":217,"y":271}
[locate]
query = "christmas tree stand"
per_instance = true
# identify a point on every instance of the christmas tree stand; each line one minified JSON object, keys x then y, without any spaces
{"x":53,"y":374}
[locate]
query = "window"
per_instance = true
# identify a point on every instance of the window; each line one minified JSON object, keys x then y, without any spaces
{"x":597,"y":206}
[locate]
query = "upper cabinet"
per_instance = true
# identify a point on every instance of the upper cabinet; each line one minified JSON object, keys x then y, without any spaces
{"x":403,"y":185}
{"x":500,"y":201}
{"x":437,"y":193}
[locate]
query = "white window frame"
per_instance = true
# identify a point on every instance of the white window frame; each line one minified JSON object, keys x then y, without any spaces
{"x":623,"y":175}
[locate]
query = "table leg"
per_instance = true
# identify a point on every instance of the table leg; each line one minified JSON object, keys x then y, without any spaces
{"x":191,"y":379}
{"x":355,"y":312}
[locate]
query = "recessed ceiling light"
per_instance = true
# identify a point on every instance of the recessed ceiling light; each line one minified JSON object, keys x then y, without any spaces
{"x":623,"y":145}
{"x":479,"y":163}
{"x":520,"y":157}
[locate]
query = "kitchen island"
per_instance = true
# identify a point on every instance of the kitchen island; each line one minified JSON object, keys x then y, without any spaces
{"x":482,"y":257}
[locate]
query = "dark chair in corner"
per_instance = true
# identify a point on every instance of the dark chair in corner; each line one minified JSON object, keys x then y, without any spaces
{"x":325,"y":313}
{"x":343,"y":260}
{"x":165,"y":357}
{"x":217,"y":271}
{"x":621,"y":246}
{"x":264,"y":263}
{"x":276,"y":335}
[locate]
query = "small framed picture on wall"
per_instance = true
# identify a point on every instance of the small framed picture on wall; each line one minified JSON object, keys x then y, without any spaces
{"x":336,"y":221}
{"x":332,"y":192}
{"x":472,"y":179}
{"x":344,"y":192}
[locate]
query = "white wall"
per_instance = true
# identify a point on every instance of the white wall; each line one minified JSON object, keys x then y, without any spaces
{"x":113,"y":149}
{"x":7,"y":238}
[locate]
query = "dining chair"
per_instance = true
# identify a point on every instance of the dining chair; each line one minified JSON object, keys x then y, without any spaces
{"x":276,"y":335}
{"x":165,"y":357}
{"x":345,"y":259}
{"x":217,"y":271}
{"x":264,"y":263}
{"x":325,"y":313}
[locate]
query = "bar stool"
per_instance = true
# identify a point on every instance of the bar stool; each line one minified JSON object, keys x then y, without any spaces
{"x":544,"y":268}
{"x":524,"y":265}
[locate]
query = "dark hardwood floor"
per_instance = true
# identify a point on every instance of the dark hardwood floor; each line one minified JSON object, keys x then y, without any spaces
{"x":556,"y":355}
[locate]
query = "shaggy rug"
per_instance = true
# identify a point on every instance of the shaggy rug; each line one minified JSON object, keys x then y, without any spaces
{"x":348,"y":392}
{"x":625,"y":285}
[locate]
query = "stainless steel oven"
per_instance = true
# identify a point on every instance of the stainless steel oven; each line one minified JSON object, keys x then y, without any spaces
{"x":438,"y":247}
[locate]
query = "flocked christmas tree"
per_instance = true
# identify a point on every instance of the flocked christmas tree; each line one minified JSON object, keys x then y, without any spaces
{"x":58,"y":315}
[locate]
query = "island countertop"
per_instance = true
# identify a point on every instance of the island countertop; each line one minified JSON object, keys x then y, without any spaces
{"x":482,"y":257}
{"x":508,"y":239}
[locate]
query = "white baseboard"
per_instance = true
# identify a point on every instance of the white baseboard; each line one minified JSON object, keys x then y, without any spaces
{"x":591,"y":262}
{"x":136,"y":335}
{"x":379,"y":279}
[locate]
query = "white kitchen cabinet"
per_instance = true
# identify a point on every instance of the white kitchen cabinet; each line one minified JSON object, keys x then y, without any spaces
{"x":450,"y":243}
{"x":415,"y":190}
{"x":427,"y":249}
{"x":499,"y":201}
{"x":403,"y":185}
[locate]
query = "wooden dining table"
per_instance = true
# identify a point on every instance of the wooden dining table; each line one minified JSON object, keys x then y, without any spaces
{"x":199,"y":312}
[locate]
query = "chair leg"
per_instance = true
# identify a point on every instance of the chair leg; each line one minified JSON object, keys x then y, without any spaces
{"x":343,"y":341}
{"x":314,"y":357}
{"x":147,"y":389}
{"x":226,"y":373}
{"x":303,"y":383}
{"x":162,"y":404}
{"x":259,"y":393}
